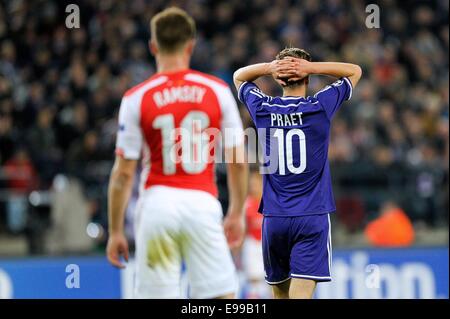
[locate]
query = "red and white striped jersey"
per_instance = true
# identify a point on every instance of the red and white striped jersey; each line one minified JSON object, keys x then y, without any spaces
{"x":169,"y":120}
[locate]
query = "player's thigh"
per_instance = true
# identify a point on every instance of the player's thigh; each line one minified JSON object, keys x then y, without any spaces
{"x":281,"y":290}
{"x":209,"y":264}
{"x":276,"y":249}
{"x":301,"y":288}
{"x":311,"y":254}
{"x":158,"y":253}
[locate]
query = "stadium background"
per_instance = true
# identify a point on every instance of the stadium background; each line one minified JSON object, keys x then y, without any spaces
{"x":60,"y":90}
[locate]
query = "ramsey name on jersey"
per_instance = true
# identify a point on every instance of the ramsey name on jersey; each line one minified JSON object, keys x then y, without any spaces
{"x":185,"y":93}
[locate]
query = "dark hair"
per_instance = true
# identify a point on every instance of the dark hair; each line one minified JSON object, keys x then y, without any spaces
{"x":171,"y":29}
{"x":296,"y":53}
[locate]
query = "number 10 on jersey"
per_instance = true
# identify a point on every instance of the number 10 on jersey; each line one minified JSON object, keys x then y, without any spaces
{"x":285,"y":150}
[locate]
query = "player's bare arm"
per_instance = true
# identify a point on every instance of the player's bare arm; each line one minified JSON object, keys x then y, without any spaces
{"x":119,"y":192}
{"x":295,"y":69}
{"x":237,"y":178}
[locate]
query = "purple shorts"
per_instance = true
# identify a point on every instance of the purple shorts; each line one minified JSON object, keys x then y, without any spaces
{"x":297,"y":247}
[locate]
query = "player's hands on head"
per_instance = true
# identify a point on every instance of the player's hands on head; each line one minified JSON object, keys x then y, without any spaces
{"x":234,"y":228}
{"x":117,"y":247}
{"x":280,"y":70}
{"x":299,"y":68}
{"x":289,"y":69}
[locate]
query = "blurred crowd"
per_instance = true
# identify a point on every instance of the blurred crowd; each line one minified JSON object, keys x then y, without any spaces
{"x":60,"y":88}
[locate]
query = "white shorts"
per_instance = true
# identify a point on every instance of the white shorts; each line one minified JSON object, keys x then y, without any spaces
{"x":173,"y":225}
{"x":252,"y":259}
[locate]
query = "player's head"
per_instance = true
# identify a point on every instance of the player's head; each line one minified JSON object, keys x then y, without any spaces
{"x":172,"y":32}
{"x":296,"y":53}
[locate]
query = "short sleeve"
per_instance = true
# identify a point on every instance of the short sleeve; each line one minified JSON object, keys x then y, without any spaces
{"x":129,"y":135}
{"x":231,"y":122}
{"x":333,"y":95}
{"x":252,"y":97}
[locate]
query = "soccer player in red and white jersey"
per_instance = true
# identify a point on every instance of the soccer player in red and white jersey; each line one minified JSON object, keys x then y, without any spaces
{"x":178,"y":217}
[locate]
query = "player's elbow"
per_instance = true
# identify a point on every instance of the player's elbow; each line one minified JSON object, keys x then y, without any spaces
{"x":119,"y":179}
{"x":358,"y":71}
{"x":236,"y":79}
{"x":239,"y":165}
{"x":238,"y":168}
{"x":236,"y":75}
{"x":121,"y":174}
{"x":125,"y":175}
{"x":356,"y":76}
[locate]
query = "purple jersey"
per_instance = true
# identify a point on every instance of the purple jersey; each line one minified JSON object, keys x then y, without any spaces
{"x":295,"y":134}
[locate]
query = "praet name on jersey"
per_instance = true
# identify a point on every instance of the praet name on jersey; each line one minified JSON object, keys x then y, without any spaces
{"x":292,"y":119}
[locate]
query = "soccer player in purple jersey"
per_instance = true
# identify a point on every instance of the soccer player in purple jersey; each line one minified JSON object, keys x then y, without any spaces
{"x":297,"y":196}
